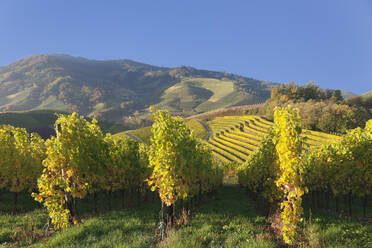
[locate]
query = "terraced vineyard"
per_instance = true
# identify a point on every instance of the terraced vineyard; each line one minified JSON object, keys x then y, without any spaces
{"x":236,"y":137}
{"x":233,"y":138}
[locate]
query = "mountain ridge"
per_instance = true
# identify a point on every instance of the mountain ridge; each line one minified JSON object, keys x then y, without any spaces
{"x":113,"y":89}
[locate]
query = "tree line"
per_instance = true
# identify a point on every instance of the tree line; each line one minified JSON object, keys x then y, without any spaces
{"x":323,"y":110}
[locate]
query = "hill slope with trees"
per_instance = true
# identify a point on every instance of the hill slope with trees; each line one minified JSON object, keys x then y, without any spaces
{"x":113,"y":89}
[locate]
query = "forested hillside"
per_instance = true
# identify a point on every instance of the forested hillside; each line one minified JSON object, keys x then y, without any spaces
{"x":323,"y":110}
{"x":114,"y":89}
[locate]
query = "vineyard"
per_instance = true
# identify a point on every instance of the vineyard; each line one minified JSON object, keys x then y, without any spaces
{"x":235,"y":138}
{"x":175,"y":176}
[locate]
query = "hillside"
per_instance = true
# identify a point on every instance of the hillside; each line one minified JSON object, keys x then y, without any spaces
{"x":42,"y":121}
{"x":347,"y":94}
{"x":144,"y":134}
{"x":29,"y":119}
{"x":367,"y":95}
{"x":364,"y":100}
{"x":235,"y":138}
{"x":113,"y":89}
{"x":39,"y":121}
{"x":232,"y":138}
{"x":230,"y":215}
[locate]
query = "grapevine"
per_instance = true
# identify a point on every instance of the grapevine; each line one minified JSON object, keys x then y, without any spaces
{"x":21,"y":159}
{"x":288,"y":144}
{"x":75,"y":165}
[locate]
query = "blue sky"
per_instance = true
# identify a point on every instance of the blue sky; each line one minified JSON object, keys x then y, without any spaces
{"x":327,"y":41}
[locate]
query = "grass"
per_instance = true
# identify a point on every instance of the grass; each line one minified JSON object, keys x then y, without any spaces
{"x":22,"y":229}
{"x":230,"y":111}
{"x":144,"y":134}
{"x":326,"y":229}
{"x":203,"y":94}
{"x":198,"y":129}
{"x":185,"y":95}
{"x":227,"y":221}
{"x":29,"y":119}
{"x":220,"y":88}
{"x":34,"y":119}
{"x":223,"y":222}
{"x":133,"y":227}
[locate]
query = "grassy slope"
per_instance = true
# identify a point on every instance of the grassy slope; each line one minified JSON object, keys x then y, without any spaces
{"x":144,"y":134}
{"x":21,"y":229}
{"x":29,"y":119}
{"x":198,"y":129}
{"x":125,"y":228}
{"x":203,"y":94}
{"x":43,"y":118}
{"x":326,"y":229}
{"x":105,"y":89}
{"x":228,"y":221}
{"x":132,"y":227}
{"x":105,"y":230}
{"x":231,"y":111}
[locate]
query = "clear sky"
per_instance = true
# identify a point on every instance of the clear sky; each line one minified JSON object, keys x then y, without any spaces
{"x":327,"y":41}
